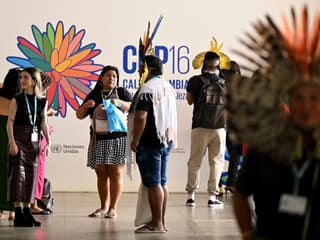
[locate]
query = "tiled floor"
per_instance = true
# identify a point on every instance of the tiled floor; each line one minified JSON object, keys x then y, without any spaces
{"x":70,"y":222}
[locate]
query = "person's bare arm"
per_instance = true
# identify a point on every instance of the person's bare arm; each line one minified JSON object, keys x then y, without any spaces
{"x":243,"y":214}
{"x":82,"y":111}
{"x":189,"y":98}
{"x":140,"y":119}
{"x":45,"y":129}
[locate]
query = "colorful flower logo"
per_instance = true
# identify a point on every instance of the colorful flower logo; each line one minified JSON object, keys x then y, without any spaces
{"x":61,"y":56}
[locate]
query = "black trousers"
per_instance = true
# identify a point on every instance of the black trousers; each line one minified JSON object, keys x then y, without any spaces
{"x":235,"y":152}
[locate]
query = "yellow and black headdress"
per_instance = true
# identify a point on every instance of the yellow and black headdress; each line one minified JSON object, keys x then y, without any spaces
{"x":214,"y":47}
{"x":145,"y":48}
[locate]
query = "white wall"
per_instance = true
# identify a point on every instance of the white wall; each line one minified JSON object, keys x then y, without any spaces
{"x":114,"y":24}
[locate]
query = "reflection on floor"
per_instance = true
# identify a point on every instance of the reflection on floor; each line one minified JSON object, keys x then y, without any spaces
{"x":69,"y":221}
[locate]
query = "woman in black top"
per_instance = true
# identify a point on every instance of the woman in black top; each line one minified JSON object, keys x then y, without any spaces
{"x":107,"y":151}
{"x":27,"y":117}
{"x":11,"y":86}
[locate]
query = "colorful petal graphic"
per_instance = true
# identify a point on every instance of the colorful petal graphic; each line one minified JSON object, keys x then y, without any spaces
{"x":61,"y":56}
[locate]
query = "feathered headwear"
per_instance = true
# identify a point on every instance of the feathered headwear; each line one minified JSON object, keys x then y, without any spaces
{"x":224,"y":59}
{"x":145,"y":48}
{"x":278,"y":60}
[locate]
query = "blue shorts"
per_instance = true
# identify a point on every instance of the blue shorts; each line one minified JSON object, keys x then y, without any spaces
{"x":152,"y":163}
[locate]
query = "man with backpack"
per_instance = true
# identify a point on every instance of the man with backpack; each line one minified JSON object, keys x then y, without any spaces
{"x":206,"y":93}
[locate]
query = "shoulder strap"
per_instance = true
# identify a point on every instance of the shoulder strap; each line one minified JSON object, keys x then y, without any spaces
{"x":94,"y":128}
{"x":206,"y":82}
{"x":116,"y":92}
{"x":219,"y":83}
{"x":315,"y":181}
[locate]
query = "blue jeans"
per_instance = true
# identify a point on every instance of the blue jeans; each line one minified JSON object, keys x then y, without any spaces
{"x":152,"y":163}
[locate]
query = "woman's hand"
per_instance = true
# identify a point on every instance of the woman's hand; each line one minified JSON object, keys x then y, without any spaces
{"x":116,"y":102}
{"x":13,"y":149}
{"x":51,"y":112}
{"x":46,"y":148}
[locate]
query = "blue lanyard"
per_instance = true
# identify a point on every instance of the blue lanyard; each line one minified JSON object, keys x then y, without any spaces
{"x":32,"y":121}
{"x":298,"y":173}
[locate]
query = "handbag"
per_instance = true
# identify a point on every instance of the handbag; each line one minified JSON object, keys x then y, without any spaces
{"x":117,"y":121}
{"x":46,"y":202}
{"x":99,"y":120}
{"x":143,"y":210}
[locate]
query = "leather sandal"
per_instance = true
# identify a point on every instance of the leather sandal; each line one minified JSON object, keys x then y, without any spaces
{"x":99,"y":213}
{"x":111,"y":213}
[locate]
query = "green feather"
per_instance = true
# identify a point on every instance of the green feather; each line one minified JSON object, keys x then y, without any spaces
{"x":55,"y":102}
{"x":89,"y":46}
{"x":28,"y":52}
{"x":50,"y":32}
{"x":38,"y":37}
{"x":47,"y":47}
{"x":42,"y":64}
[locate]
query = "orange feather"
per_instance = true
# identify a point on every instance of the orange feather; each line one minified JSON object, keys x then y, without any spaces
{"x":315,"y":37}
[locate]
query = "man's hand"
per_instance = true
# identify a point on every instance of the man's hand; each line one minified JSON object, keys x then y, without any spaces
{"x":189,"y":98}
{"x":134,"y":145}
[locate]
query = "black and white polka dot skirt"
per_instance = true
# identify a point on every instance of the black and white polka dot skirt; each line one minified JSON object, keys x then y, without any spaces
{"x":107,"y":151}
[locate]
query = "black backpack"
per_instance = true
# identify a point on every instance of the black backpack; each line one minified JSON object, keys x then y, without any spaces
{"x":210,"y":104}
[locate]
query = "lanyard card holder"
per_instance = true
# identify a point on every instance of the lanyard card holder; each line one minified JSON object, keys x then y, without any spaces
{"x":35,"y":135}
{"x":293,"y":203}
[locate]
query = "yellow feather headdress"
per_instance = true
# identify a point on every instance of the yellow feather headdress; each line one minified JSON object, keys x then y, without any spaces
{"x":224,"y":59}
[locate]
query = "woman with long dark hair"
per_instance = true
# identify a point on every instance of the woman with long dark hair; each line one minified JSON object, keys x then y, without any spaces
{"x":107,"y":151}
{"x":10,"y":87}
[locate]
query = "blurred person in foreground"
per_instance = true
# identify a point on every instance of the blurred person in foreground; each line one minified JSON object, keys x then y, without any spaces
{"x":281,"y":170}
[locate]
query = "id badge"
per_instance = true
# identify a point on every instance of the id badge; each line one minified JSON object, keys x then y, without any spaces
{"x":293,"y":204}
{"x":34,"y":135}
